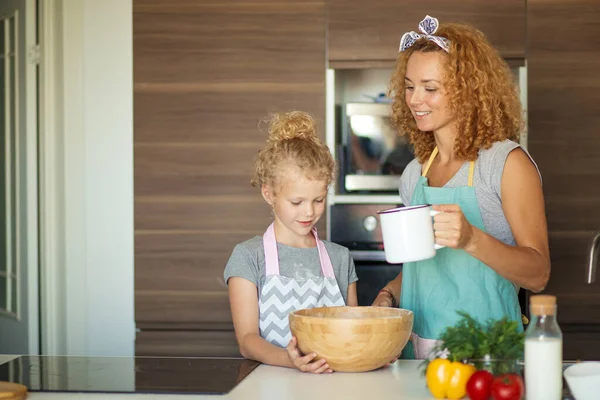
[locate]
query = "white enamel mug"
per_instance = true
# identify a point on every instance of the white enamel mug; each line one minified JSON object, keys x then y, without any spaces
{"x":408,"y":233}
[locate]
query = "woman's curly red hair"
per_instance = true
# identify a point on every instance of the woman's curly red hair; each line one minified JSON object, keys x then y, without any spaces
{"x":483,"y":96}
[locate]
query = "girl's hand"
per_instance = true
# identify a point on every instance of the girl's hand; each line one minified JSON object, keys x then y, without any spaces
{"x":304,"y":363}
{"x":451,"y":228}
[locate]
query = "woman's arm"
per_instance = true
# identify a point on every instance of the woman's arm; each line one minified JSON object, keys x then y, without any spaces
{"x":528,"y":263}
{"x":384,"y":299}
{"x":243,"y":299}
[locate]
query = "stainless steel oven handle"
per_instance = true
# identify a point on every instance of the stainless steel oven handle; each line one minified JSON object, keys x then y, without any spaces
{"x":367,"y":255}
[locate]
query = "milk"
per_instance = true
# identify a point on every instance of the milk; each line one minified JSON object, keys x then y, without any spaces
{"x":543,"y":350}
{"x":543,"y":368}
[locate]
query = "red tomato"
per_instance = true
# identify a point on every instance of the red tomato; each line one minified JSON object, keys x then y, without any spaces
{"x":507,"y":387}
{"x":479,"y":385}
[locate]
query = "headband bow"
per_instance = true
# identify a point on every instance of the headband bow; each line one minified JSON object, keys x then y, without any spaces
{"x":428,"y":26}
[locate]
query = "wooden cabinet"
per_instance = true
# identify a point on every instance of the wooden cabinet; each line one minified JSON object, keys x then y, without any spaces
{"x":563,"y":98}
{"x":371,"y":30}
{"x":205,"y":74}
{"x":184,"y":343}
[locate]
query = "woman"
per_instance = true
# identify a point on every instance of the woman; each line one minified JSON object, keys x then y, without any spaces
{"x":456,"y":99}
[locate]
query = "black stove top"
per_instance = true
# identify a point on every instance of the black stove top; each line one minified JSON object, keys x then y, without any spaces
{"x":127,"y":374}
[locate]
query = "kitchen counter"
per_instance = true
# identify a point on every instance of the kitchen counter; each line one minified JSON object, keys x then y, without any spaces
{"x":401,"y":380}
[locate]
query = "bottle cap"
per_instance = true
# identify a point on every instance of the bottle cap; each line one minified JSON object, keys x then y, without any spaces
{"x":543,"y":304}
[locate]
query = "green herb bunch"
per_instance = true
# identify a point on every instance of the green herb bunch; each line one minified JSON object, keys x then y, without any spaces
{"x":471,"y":339}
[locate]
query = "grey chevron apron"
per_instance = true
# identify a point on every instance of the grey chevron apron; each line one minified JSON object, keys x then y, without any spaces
{"x":281,"y":295}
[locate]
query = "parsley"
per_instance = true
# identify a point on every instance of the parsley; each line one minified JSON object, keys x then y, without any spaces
{"x":470,"y":339}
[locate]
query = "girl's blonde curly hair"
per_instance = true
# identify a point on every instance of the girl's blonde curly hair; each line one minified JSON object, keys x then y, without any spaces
{"x":482,"y":94}
{"x":293,"y":142}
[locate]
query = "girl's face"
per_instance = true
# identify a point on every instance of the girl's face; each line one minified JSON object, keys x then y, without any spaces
{"x":425,"y":94}
{"x":298,"y":203}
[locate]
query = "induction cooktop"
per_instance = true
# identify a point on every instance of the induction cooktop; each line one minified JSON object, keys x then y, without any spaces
{"x":127,"y":374}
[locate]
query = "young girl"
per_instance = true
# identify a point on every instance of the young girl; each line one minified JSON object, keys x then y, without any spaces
{"x":288,"y":267}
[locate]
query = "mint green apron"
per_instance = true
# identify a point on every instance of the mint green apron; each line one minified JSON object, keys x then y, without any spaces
{"x":434,"y":289}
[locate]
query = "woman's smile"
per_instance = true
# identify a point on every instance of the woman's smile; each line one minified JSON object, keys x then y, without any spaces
{"x":421,"y":114}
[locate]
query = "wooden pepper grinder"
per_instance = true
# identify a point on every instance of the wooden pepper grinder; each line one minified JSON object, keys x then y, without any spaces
{"x":12,"y":391}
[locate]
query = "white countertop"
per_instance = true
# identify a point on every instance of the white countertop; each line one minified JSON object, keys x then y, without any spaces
{"x":401,"y":380}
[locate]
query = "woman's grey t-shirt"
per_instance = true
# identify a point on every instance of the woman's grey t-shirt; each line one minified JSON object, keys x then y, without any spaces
{"x":248,"y":261}
{"x":487,"y":181}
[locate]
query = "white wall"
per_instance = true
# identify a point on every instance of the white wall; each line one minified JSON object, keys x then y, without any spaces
{"x":108,"y":130}
{"x":92,"y":289}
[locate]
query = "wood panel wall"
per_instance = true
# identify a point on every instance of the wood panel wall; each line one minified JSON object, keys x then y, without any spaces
{"x":205,"y":74}
{"x":564,"y":138}
{"x":371,"y":30}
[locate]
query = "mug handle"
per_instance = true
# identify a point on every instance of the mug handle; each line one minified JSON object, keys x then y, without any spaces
{"x":435,"y":245}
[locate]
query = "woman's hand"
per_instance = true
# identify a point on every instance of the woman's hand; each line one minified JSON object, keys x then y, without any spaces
{"x":451,"y":227}
{"x":304,"y":363}
{"x":383,"y":299}
{"x":389,"y":296}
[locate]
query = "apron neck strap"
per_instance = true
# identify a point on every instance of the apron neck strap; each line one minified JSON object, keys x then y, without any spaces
{"x":272,"y":258}
{"x":270,"y":248}
{"x":471,"y":172}
{"x":434,"y":153}
{"x":326,"y":265}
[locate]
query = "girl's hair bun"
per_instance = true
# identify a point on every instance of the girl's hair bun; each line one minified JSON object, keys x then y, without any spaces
{"x":293,"y":141}
{"x":292,"y":125}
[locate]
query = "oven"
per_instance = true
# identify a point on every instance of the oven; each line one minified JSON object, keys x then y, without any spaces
{"x":356,"y":226}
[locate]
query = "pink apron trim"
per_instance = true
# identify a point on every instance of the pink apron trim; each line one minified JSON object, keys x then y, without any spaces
{"x":270,"y":247}
{"x":272,"y":258}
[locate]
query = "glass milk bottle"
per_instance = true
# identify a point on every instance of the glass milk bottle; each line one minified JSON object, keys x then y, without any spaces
{"x":543,"y":351}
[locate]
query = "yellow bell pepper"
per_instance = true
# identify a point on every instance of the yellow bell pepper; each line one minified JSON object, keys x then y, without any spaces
{"x":447,"y":379}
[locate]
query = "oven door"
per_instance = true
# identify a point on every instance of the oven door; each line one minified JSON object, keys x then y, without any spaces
{"x":375,"y":154}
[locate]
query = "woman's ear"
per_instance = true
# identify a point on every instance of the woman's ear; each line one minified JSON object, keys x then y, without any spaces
{"x":267,"y":194}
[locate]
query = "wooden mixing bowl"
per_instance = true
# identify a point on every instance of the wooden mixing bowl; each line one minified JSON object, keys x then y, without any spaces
{"x":352,"y":339}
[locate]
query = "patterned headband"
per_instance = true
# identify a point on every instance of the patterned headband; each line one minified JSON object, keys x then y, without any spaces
{"x":428,"y":26}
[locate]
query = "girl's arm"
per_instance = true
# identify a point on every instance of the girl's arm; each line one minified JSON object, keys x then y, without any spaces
{"x":528,"y":263}
{"x":243,"y":299}
{"x":351,"y":298}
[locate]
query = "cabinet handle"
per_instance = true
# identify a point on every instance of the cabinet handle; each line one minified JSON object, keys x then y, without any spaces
{"x":593,"y":258}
